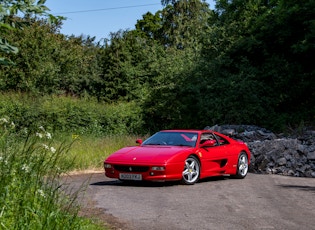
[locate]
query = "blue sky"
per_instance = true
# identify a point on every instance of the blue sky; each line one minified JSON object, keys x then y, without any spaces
{"x":100,"y":17}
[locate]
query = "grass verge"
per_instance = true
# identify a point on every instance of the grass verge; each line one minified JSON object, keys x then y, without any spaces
{"x":31,"y":193}
{"x":88,"y":152}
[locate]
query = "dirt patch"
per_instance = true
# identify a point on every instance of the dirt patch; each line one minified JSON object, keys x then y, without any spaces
{"x":86,"y":171}
{"x":88,"y":207}
{"x":98,"y":215}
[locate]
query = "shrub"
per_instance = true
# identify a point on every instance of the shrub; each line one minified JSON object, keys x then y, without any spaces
{"x":72,"y":115}
{"x":30,"y":194}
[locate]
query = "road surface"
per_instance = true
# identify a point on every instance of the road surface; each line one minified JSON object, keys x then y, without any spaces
{"x":256,"y":202}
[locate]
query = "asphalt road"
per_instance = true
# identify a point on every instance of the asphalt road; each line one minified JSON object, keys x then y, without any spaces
{"x":256,"y":202}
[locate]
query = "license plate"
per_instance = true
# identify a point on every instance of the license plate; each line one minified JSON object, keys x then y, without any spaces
{"x":128,"y":176}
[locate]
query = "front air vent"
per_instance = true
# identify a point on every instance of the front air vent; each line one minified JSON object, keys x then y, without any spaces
{"x":125,"y":168}
{"x":223,"y":163}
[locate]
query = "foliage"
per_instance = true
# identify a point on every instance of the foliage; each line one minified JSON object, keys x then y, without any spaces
{"x":185,"y":66}
{"x":72,"y":115}
{"x":126,"y":68}
{"x":10,"y":8}
{"x":149,"y":26}
{"x":164,"y":106}
{"x":262,"y":37}
{"x":183,"y":22}
{"x":45,"y":63}
{"x":30,"y":192}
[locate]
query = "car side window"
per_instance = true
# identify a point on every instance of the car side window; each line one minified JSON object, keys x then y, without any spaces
{"x":206,"y":137}
{"x":221,"y":140}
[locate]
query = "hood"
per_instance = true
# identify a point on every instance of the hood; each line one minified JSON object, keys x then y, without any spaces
{"x":145,"y":154}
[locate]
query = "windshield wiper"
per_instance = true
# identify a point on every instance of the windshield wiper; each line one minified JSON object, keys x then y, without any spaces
{"x":153,"y":144}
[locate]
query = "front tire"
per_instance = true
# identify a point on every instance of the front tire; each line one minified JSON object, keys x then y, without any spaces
{"x":191,"y":171}
{"x":242,"y":166}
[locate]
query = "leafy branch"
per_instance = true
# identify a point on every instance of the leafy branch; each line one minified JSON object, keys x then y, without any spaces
{"x":11,"y":8}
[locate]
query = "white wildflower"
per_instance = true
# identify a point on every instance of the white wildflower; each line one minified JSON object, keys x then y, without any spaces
{"x":26,"y":168}
{"x":3,"y":120}
{"x":48,"y":135}
{"x":12,"y":125}
{"x":52,"y":149}
{"x":25,"y":131}
{"x":41,"y":128}
{"x":39,"y":135}
{"x":45,"y":146}
{"x":5,"y":162}
{"x":41,"y":193}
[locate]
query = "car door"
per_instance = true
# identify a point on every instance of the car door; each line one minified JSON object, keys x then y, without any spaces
{"x":214,"y":158}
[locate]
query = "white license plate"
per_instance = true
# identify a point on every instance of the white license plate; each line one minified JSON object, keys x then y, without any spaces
{"x":128,"y":176}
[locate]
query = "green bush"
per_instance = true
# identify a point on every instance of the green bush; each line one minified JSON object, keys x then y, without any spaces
{"x":31,"y":194}
{"x":72,"y":115}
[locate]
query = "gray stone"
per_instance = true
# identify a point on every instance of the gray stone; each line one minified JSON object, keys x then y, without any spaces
{"x":276,"y":154}
{"x":281,"y":161}
{"x":290,"y":172}
{"x":311,"y":156}
{"x":229,"y":132}
{"x":301,"y":148}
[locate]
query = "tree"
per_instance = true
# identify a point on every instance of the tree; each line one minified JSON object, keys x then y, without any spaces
{"x":183,"y":22}
{"x":270,"y":44}
{"x":10,"y":8}
{"x":126,"y":70}
{"x":50,"y":62}
{"x":149,"y":26}
{"x":178,"y":25}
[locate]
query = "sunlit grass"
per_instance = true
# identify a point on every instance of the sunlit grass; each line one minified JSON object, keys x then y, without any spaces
{"x":89,"y":152}
{"x":32,"y":163}
{"x":31,"y":192}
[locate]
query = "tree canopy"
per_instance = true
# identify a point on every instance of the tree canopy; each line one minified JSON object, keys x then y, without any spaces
{"x":185,"y":66}
{"x":8,"y":21}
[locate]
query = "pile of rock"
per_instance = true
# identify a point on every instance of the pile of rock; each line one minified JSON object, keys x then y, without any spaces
{"x":276,"y":154}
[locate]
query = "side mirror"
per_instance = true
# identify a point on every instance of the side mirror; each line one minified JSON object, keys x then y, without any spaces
{"x":208,"y":143}
{"x":139,"y":141}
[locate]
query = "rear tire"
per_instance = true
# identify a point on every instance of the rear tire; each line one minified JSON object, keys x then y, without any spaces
{"x":242,"y":166}
{"x":191,"y":171}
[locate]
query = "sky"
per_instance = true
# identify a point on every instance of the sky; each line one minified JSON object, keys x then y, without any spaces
{"x":101,"y":17}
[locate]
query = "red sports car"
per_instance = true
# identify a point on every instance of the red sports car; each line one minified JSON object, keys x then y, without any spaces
{"x":186,"y":155}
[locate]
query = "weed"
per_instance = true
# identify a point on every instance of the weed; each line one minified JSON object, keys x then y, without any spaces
{"x":31,"y":194}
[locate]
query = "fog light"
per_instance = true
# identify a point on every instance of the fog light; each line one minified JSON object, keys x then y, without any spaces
{"x":158,"y":168}
{"x":151,"y":173}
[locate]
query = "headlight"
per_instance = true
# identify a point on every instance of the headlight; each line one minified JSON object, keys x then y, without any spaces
{"x":107,"y":166}
{"x":158,"y":168}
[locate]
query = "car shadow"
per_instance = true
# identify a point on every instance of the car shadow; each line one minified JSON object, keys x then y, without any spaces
{"x":153,"y":184}
{"x":135,"y":183}
{"x":214,"y":178}
{"x":299,"y":187}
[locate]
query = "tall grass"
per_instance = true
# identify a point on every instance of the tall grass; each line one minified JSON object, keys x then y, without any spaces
{"x":31,"y":163}
{"x":89,"y":152}
{"x":31,"y":194}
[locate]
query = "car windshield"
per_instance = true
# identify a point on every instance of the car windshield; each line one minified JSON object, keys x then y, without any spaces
{"x":173,"y":139}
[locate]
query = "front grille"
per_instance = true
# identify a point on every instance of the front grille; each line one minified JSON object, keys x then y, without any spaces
{"x":125,"y":168}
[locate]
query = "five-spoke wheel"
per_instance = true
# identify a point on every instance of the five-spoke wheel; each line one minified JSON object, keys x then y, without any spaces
{"x":242,"y":166}
{"x":191,"y":171}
